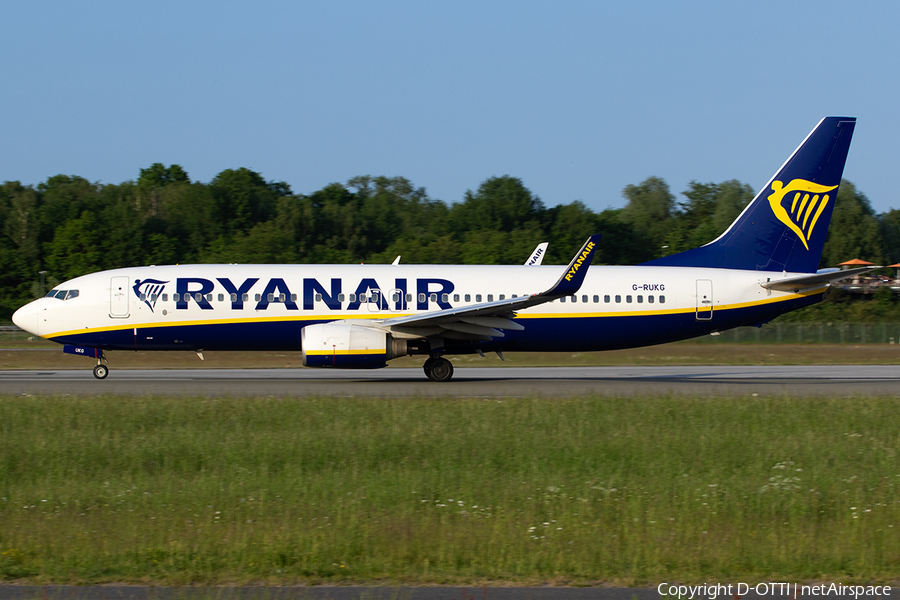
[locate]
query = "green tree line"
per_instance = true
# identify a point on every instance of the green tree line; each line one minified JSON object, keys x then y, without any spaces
{"x":68,"y":226}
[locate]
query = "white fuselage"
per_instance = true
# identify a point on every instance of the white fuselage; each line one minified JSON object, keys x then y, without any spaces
{"x":263,"y":306}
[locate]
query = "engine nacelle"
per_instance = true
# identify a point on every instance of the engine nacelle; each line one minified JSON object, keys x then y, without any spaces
{"x":343,"y":345}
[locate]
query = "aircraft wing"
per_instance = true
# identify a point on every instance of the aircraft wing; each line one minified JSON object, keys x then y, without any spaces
{"x":486,"y":321}
{"x":794,"y":284}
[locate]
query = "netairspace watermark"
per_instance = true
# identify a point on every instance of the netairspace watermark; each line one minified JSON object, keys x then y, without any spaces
{"x":793,"y":590}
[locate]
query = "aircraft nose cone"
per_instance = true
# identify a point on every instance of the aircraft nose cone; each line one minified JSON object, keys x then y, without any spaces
{"x":27,"y":318}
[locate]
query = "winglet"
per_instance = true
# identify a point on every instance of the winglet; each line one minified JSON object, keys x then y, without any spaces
{"x":571,"y":280}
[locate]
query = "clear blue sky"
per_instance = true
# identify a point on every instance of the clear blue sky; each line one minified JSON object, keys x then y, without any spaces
{"x":578,"y":99}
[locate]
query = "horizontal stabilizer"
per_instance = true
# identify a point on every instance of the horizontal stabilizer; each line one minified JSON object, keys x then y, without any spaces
{"x":795,"y":284}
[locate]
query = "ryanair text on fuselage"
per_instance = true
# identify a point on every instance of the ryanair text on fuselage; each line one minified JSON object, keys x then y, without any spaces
{"x":277,"y":291}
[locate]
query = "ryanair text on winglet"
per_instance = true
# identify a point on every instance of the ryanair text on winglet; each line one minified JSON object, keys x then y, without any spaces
{"x":579,"y":260}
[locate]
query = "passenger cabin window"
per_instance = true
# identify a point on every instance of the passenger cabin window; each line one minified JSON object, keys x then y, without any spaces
{"x":563,"y":299}
{"x":409,"y":297}
{"x":468,"y":297}
{"x":597,"y":299}
{"x":662,"y":299}
{"x":445,"y":297}
{"x":606,"y":299}
{"x":340,"y":297}
{"x":640,"y":299}
{"x":257,"y":297}
{"x":221,"y":297}
{"x":628,"y":299}
{"x":456,"y":297}
{"x":502,"y":296}
{"x":477,"y":297}
{"x":176,"y":297}
{"x":618,"y":299}
{"x":650,"y":299}
{"x":574,"y":299}
{"x":421,"y":297}
{"x":433,"y":297}
{"x":234,"y":297}
{"x":165,"y":297}
{"x":490,"y":297}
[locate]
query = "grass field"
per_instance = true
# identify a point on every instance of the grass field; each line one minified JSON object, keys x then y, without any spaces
{"x":572,"y":491}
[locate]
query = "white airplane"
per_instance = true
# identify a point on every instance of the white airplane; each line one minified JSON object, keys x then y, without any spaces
{"x":362,"y":316}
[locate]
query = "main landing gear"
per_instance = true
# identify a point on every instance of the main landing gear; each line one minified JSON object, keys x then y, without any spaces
{"x":438,"y":368}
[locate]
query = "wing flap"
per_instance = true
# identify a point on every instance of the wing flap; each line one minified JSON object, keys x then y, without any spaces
{"x":473,"y":329}
{"x":496,"y":322}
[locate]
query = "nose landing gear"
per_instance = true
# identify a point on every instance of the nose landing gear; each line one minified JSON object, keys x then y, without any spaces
{"x":101,"y":371}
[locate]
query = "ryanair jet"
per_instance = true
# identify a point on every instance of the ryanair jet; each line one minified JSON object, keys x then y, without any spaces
{"x":362,"y":316}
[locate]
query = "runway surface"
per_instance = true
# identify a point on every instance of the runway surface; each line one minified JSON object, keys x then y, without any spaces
{"x":468,"y":382}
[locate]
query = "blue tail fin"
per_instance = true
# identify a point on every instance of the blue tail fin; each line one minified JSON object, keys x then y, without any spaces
{"x":784,"y":227}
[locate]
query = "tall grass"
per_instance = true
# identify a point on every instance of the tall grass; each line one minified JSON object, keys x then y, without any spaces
{"x":623,"y":490}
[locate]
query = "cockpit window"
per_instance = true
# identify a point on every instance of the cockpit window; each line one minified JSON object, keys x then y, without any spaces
{"x":62,"y":294}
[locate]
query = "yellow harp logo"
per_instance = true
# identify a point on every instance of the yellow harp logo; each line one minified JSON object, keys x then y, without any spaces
{"x":807,"y":199}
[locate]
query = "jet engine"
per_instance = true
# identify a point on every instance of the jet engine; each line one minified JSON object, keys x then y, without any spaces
{"x":344,"y":345}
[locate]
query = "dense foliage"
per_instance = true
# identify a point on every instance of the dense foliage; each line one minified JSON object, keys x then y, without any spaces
{"x":68,"y":226}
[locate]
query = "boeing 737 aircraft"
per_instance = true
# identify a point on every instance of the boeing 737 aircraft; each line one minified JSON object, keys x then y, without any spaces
{"x":361,"y":316}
